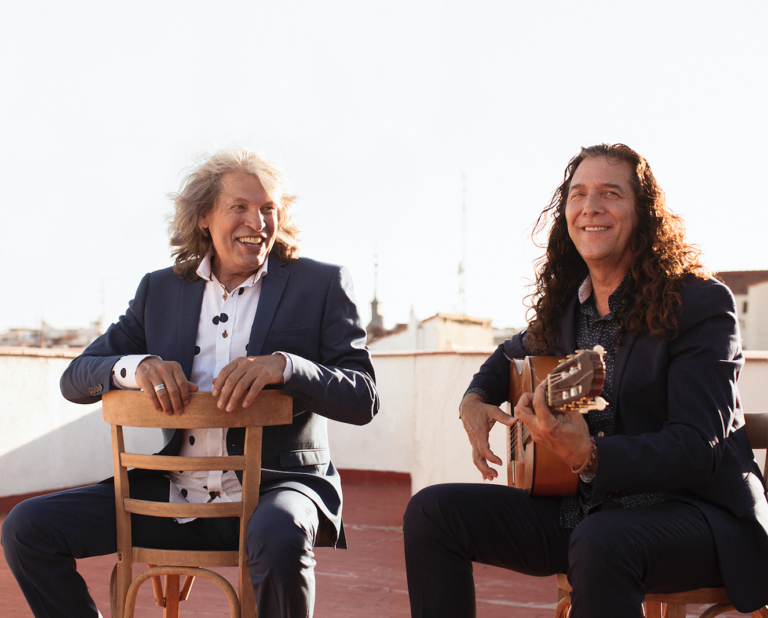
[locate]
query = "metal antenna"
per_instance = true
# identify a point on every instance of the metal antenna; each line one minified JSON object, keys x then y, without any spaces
{"x":375,"y":272}
{"x":375,"y":327}
{"x":462,"y":262}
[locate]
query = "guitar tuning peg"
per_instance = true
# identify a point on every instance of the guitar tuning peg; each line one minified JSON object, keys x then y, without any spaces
{"x":600,"y":403}
{"x":599,"y":349}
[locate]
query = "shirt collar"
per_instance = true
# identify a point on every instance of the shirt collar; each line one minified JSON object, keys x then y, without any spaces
{"x":204,"y":271}
{"x":585,"y":289}
{"x":585,"y":292}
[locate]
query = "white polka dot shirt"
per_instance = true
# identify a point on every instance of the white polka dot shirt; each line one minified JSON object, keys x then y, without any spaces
{"x":223,"y":331}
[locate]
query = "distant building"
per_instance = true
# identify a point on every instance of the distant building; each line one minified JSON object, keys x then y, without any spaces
{"x":375,"y":328}
{"x":49,"y":337}
{"x":445,"y":331}
{"x":750,"y":289}
{"x":441,"y":332}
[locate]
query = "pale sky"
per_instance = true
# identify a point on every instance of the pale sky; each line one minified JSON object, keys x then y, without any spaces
{"x":374,"y":111}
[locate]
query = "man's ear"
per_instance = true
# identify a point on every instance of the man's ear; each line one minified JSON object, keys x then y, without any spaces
{"x":204,"y":223}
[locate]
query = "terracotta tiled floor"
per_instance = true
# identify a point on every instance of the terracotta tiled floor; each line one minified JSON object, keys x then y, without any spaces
{"x":365,"y":581}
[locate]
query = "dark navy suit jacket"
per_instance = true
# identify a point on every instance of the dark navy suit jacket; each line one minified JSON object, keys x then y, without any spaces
{"x":679,"y":428}
{"x":306,"y":308}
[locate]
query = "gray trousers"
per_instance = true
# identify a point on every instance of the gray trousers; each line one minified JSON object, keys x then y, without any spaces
{"x":43,"y":536}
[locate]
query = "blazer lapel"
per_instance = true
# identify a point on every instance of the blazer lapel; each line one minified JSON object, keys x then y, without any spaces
{"x":567,"y":341}
{"x":190,"y":305}
{"x":272,"y":288}
{"x":622,"y":355}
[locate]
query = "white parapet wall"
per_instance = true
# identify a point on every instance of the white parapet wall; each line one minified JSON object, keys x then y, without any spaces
{"x":48,"y":443}
{"x":418,"y":429}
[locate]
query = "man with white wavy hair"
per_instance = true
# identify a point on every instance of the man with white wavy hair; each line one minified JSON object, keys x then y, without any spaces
{"x":238,"y":311}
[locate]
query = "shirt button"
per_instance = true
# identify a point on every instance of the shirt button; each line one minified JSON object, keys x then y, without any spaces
{"x":224,"y":334}
{"x":600,"y":434}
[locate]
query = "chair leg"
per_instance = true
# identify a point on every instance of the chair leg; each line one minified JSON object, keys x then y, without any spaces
{"x":234,"y":603}
{"x":652,"y":610}
{"x":674,"y":610}
{"x":245,"y":592}
{"x":113,"y":604}
{"x":172,"y":596}
{"x":563,"y":609}
{"x":122,"y":575}
{"x":157,"y":588}
{"x":188,"y":581}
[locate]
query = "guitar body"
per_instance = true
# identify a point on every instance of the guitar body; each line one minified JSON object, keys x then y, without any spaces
{"x":530,"y":466}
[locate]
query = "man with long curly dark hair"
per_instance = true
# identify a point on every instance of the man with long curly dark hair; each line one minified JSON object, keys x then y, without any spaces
{"x":669,"y":496}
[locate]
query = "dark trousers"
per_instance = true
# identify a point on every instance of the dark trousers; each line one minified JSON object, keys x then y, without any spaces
{"x":612,"y":557}
{"x":43,"y":536}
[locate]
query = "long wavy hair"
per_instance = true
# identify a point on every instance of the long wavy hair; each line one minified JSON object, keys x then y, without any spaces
{"x":198,"y":194}
{"x":650,"y":301}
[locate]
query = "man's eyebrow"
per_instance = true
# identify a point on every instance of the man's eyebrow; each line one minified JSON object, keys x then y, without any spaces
{"x":238,"y":198}
{"x":608,"y":185}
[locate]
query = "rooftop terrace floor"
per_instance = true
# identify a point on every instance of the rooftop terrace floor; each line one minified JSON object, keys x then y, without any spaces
{"x":365,"y":581}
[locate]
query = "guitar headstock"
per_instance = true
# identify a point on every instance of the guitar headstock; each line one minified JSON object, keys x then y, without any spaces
{"x":576,"y":383}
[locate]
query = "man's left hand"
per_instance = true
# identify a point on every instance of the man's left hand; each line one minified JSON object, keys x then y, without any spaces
{"x":564,"y":433}
{"x":247,"y":375}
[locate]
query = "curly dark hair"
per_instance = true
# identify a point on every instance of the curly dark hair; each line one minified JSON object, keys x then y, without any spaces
{"x":661,"y":257}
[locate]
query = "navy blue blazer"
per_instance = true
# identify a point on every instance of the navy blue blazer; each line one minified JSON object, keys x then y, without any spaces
{"x":678,"y":428}
{"x":306,"y":308}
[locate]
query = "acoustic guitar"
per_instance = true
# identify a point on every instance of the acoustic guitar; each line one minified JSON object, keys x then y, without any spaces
{"x":574,"y":383}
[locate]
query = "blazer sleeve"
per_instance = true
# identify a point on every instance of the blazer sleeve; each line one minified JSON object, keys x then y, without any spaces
{"x":493,"y":376}
{"x":341,"y":384}
{"x":90,"y":375}
{"x":693,"y":394}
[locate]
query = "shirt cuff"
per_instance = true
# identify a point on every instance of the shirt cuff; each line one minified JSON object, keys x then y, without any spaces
{"x":479,"y":391}
{"x":288,"y":371}
{"x":124,"y":371}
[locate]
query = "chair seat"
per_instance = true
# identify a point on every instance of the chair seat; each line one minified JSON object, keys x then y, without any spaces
{"x":699,"y":596}
{"x":675,"y":601}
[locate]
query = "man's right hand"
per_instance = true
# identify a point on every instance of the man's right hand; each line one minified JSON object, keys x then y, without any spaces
{"x":152,"y":372}
{"x":478,"y":418}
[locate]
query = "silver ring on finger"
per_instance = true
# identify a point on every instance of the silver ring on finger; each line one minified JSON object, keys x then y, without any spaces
{"x":159,"y":387}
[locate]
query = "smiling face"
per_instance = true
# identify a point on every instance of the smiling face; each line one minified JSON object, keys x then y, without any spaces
{"x":602,"y":216}
{"x":243,"y":228}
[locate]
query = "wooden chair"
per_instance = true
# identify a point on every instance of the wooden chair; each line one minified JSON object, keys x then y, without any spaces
{"x":131,"y":408}
{"x":673,"y":605}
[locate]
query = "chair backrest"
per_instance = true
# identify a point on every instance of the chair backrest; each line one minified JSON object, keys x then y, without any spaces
{"x":757,"y":431}
{"x":133,"y":409}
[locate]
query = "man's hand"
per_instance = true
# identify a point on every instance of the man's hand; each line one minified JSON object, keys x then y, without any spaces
{"x":566,"y":433}
{"x":247,"y":375}
{"x":153,"y":372}
{"x":478,"y":418}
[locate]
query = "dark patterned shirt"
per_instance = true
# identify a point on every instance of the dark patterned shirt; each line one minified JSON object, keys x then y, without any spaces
{"x":592,"y":330}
